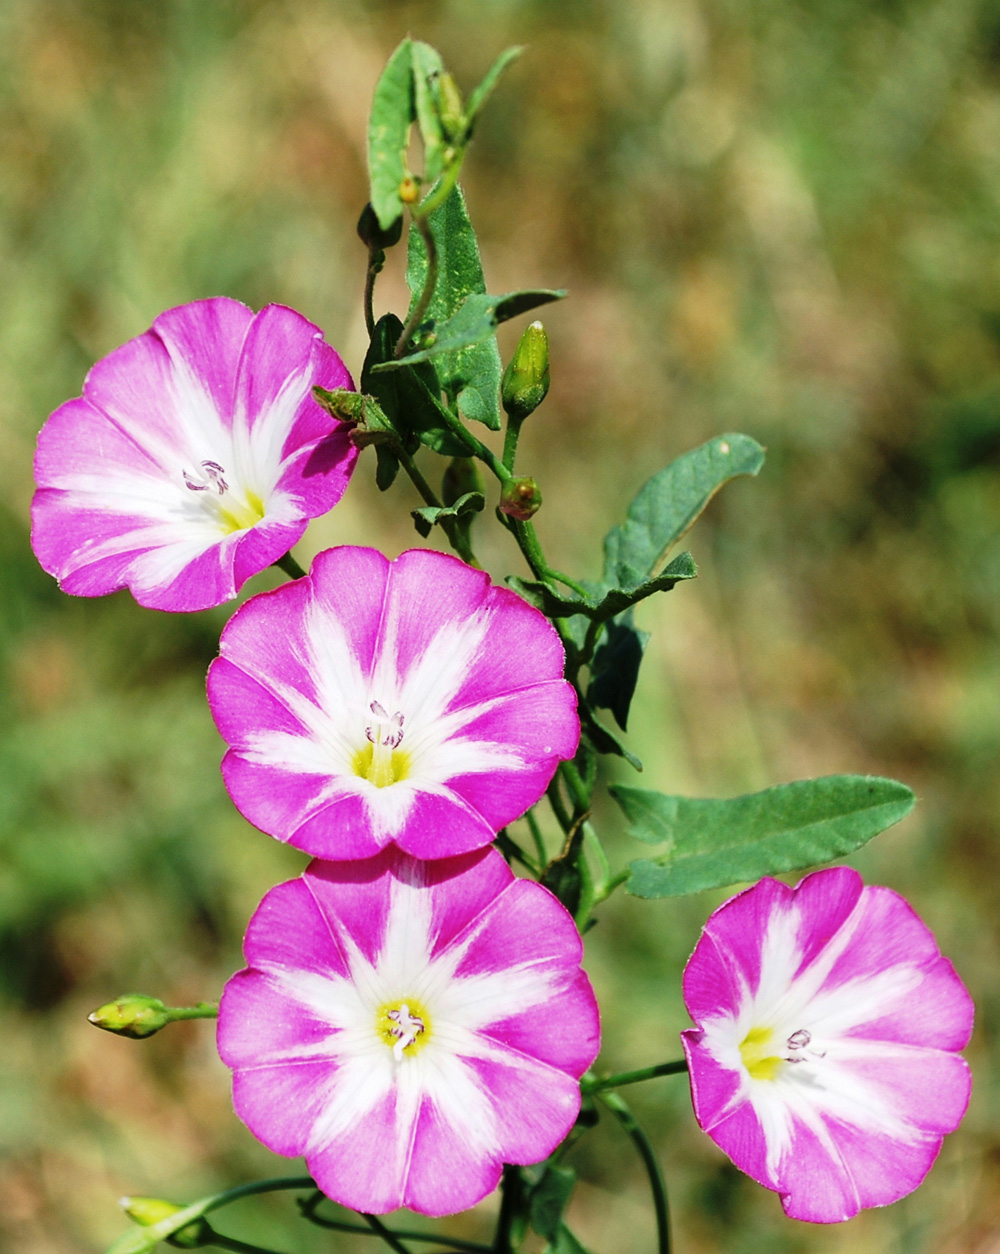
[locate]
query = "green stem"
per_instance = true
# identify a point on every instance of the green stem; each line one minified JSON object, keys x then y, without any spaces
{"x":389,"y":1237}
{"x":537,"y":837}
{"x":605,"y":889}
{"x":419,"y":310}
{"x":577,"y":788}
{"x":454,"y":1243}
{"x":511,"y":849}
{"x":238,"y":1247}
{"x":594,"y":1084}
{"x":373,"y":269}
{"x":657,"y":1186}
{"x":510,"y":1191}
{"x":203,"y":1010}
{"x":527,"y":540}
{"x":457,"y":536}
{"x":290,"y":566}
{"x":510,"y":439}
{"x":563,"y":817}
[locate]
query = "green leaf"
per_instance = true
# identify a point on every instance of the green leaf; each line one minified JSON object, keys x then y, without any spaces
{"x":615,"y":668}
{"x":669,"y":503}
{"x":549,"y":1199}
{"x":565,"y":1243}
{"x":386,"y":467}
{"x":407,"y":397}
{"x":475,"y":322}
{"x":425,"y":518}
{"x":602,"y":739}
{"x":712,"y":843}
{"x":604,"y":602}
{"x":393,"y":112}
{"x":470,"y":376}
{"x":427,"y":65}
{"x":482,"y":93}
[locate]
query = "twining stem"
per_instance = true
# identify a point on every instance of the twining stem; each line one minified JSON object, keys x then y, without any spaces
{"x":390,"y":1238}
{"x":290,"y":566}
{"x":238,"y":1247}
{"x":657,"y":1186}
{"x":308,"y":1209}
{"x":595,"y":1084}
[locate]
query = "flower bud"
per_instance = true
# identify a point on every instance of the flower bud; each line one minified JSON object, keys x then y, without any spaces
{"x":409,"y":191}
{"x":451,"y":110}
{"x":147,"y":1211}
{"x":462,"y":476}
{"x":526,"y":379}
{"x":132,"y":1014}
{"x":520,"y":498}
{"x":372,"y":234}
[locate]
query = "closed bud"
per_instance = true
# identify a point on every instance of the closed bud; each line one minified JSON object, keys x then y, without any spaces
{"x":520,"y":498}
{"x":133,"y":1015}
{"x":526,"y":379}
{"x":147,"y":1211}
{"x":462,"y":476}
{"x":372,"y":234}
{"x":451,"y":110}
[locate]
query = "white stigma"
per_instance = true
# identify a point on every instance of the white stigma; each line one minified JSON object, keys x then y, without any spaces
{"x":209,"y":479}
{"x":378,"y":734}
{"x":406,"y":1028}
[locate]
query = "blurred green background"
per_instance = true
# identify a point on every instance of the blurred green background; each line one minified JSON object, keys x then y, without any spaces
{"x":780,"y":217}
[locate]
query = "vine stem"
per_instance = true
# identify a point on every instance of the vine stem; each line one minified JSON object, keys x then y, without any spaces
{"x":290,"y":566}
{"x":596,"y":1084}
{"x":238,"y":1247}
{"x":508,"y":1210}
{"x":308,"y":1209}
{"x":657,"y":1185}
{"x":389,"y":1237}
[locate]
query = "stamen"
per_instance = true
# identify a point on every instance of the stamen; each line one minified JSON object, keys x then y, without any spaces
{"x":406,"y":1028}
{"x":212,"y":479}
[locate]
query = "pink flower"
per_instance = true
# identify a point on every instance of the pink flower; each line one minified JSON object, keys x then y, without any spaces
{"x":825,"y":1059}
{"x":377,"y":701}
{"x":409,"y":1027}
{"x":194,"y":458}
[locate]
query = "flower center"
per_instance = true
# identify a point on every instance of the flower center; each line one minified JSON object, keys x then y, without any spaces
{"x":381,"y":761}
{"x":762,"y":1059}
{"x":235,"y":515}
{"x":404,"y":1026}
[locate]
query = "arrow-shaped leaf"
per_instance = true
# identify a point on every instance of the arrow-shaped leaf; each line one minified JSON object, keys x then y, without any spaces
{"x":713,"y":843}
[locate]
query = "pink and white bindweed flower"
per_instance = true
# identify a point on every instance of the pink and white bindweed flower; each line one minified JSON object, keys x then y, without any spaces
{"x":409,"y":1027}
{"x":825,"y":1058}
{"x":194,"y":458}
{"x":376,"y":701}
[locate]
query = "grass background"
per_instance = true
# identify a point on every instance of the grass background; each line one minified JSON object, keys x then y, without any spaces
{"x":779,"y":217}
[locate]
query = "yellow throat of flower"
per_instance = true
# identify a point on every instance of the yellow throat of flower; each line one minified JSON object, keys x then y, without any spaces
{"x":758,"y":1054}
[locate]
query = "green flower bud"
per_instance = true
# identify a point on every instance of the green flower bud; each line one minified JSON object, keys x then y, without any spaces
{"x":526,"y":379}
{"x":451,"y":110}
{"x":132,"y":1014}
{"x":462,"y":476}
{"x":147,"y":1211}
{"x":372,"y":235}
{"x":520,"y":498}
